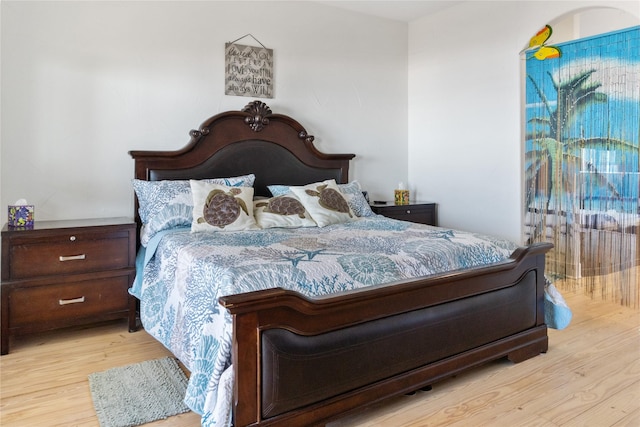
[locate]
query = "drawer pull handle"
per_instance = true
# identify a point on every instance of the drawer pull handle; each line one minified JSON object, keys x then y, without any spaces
{"x":72,"y":257}
{"x":71,"y":301}
{"x":408,"y":211}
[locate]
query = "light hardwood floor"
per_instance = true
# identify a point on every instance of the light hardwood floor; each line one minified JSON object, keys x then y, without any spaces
{"x":589,"y":377}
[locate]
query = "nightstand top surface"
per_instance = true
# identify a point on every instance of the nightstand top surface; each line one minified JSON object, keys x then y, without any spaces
{"x":70,"y":223}
{"x":392,"y":203}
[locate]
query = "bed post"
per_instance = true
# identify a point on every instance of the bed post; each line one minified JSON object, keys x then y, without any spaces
{"x":246,"y":405}
{"x":540,"y":345}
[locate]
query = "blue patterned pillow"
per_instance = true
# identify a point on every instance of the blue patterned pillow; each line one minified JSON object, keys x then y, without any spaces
{"x":358,"y":204}
{"x":167,"y":204}
{"x":351,"y":191}
{"x":278,"y":190}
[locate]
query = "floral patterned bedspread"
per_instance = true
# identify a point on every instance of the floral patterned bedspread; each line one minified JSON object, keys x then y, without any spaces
{"x":185,"y":273}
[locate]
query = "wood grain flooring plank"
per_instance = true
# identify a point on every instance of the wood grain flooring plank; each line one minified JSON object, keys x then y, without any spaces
{"x":590,"y":376}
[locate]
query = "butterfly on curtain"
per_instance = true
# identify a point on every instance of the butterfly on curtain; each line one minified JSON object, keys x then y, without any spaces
{"x":543,"y":51}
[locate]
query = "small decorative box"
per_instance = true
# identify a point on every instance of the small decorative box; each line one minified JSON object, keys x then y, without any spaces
{"x":21,"y":216}
{"x":401,"y":197}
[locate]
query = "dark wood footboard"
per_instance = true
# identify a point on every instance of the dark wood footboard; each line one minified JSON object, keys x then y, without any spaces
{"x":301,"y":361}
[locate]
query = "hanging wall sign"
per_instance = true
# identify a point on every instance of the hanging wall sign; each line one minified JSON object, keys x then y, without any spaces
{"x":248,"y":70}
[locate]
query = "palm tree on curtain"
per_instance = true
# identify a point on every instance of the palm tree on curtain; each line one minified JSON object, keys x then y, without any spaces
{"x":556,"y":155}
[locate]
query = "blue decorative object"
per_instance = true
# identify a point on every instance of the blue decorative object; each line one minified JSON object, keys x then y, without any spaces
{"x":20,"y":216}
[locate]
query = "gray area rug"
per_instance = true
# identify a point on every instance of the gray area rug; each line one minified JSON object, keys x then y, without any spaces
{"x":138,"y":394}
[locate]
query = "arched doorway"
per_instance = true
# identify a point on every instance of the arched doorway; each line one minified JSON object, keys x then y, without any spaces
{"x":581,"y":150}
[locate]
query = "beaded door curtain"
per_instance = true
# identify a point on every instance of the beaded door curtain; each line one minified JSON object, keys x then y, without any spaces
{"x":581,"y":161}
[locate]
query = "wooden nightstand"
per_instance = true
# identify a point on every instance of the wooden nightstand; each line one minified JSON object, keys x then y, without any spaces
{"x":66,"y":273}
{"x":420,"y":212}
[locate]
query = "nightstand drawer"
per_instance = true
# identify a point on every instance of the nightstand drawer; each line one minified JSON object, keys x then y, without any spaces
{"x":43,"y":305}
{"x":72,"y":253}
{"x":406,"y":212}
{"x":423,"y":213}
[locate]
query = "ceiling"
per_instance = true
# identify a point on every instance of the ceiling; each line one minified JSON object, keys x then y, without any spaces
{"x":397,"y":10}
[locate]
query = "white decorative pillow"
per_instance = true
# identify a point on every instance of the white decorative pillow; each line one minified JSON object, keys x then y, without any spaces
{"x":324,"y":201}
{"x":284,"y":211}
{"x":221,"y":208}
{"x":169,"y":203}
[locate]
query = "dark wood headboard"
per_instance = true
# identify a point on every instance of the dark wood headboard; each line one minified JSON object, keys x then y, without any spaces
{"x":274,"y":147}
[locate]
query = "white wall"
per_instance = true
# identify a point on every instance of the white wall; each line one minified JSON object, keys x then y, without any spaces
{"x":85,"y":82}
{"x":465,"y":105}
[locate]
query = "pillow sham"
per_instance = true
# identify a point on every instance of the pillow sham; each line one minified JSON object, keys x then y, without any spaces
{"x":284,"y":211}
{"x":221,"y":208}
{"x":169,"y":203}
{"x":352,"y":192}
{"x":278,"y":190}
{"x":324,"y":202}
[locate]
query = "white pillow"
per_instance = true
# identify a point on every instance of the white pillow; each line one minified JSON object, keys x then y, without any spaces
{"x":284,"y":211}
{"x":324,"y":201}
{"x":221,"y":208}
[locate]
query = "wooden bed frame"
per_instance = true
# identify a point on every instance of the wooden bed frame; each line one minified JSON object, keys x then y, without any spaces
{"x":301,"y":361}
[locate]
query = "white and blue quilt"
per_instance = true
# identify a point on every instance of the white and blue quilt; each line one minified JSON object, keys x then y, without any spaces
{"x":181,"y":275}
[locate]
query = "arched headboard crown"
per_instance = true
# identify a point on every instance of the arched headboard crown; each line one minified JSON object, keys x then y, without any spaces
{"x":274,"y":147}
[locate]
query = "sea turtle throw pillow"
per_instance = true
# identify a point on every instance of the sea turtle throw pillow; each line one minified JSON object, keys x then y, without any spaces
{"x":324,"y":201}
{"x":284,"y":211}
{"x":221,"y":208}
